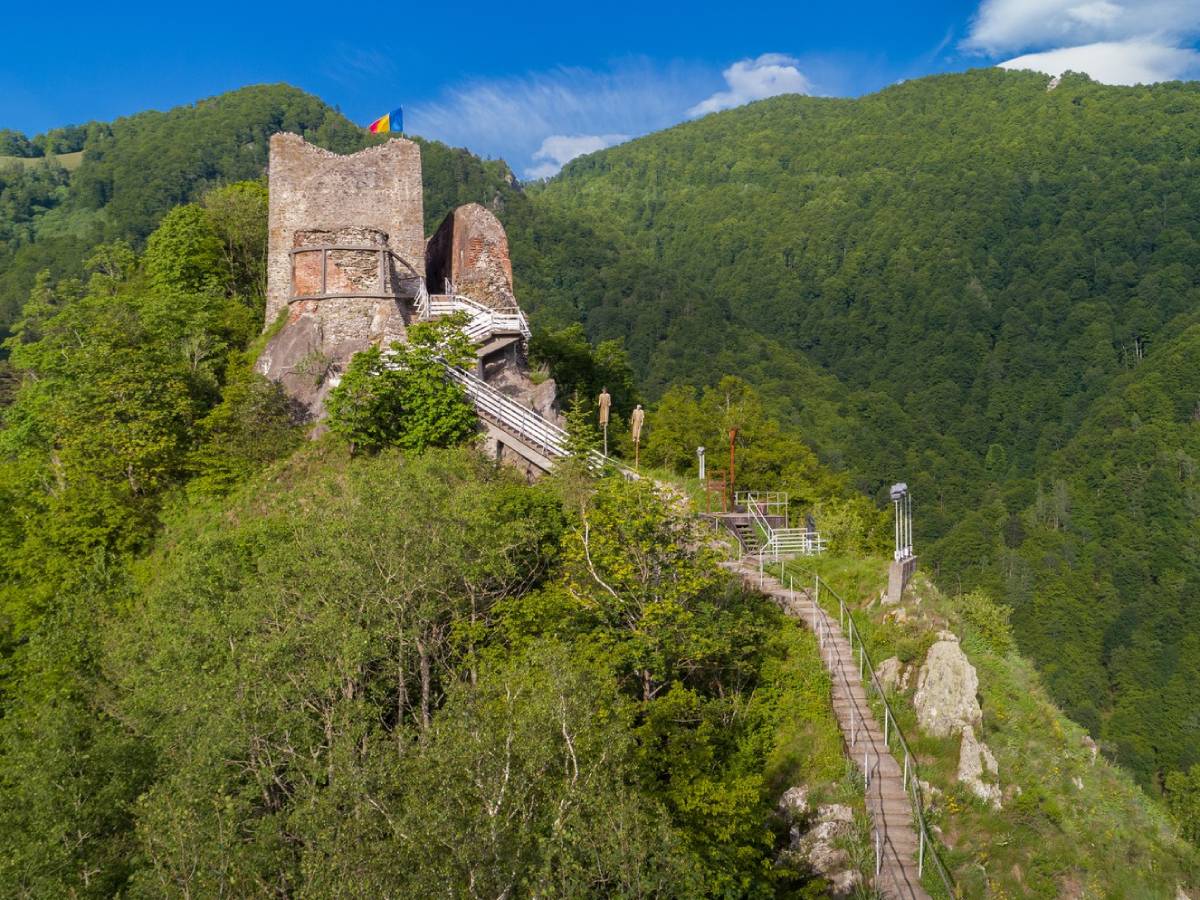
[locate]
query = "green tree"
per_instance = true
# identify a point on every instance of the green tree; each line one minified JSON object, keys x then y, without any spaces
{"x":1183,"y":799}
{"x":404,"y":398}
{"x":185,"y":253}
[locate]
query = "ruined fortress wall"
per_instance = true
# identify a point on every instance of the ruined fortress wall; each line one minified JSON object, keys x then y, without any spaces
{"x":313,"y":189}
{"x":471,"y":249}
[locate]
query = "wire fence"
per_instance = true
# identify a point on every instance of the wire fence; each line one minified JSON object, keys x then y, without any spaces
{"x":926,"y":846}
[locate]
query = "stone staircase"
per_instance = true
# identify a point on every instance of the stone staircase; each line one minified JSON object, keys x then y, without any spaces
{"x":886,"y":799}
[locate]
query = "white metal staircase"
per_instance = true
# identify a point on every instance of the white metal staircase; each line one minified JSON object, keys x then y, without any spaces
{"x":483,"y":322}
{"x":777,"y":541}
{"x":528,"y":429}
{"x":505,"y":412}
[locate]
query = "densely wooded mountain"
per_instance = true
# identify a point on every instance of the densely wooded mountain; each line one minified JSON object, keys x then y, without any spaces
{"x":968,"y":282}
{"x":951,"y":282}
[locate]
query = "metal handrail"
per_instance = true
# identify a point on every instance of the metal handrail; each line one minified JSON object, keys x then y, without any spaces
{"x":528,"y":425}
{"x":525,"y":423}
{"x":485,"y":320}
{"x":911,"y":778}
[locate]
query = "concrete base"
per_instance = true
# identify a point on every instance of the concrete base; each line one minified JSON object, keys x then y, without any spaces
{"x":900,"y":573}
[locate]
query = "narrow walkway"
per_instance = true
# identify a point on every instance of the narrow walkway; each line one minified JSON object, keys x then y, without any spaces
{"x":887,"y":802}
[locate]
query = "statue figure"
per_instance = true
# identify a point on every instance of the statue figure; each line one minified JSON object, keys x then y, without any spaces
{"x":636,"y":420}
{"x":605,"y":402}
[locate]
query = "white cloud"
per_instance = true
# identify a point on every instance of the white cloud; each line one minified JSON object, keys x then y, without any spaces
{"x":518,"y":118}
{"x":1006,"y":26}
{"x":756,"y":79}
{"x":559,"y":149}
{"x":1115,"y":62}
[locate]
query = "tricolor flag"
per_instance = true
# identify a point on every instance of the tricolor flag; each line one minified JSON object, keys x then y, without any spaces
{"x":392,"y":123}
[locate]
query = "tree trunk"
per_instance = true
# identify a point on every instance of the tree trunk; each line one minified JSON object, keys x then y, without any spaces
{"x":425,"y":678}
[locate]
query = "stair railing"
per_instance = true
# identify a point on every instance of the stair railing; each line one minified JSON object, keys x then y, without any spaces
{"x":524,"y":423}
{"x":926,"y":846}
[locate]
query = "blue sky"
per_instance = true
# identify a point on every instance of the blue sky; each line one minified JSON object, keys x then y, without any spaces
{"x":539,"y":83}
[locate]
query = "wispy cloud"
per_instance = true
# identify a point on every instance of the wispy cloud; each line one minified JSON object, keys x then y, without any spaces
{"x":756,"y":79}
{"x":1006,"y":26}
{"x":532,"y":120}
{"x":540,"y":121}
{"x":1114,"y":41}
{"x":351,"y":66}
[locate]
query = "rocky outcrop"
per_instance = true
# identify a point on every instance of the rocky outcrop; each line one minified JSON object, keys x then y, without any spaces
{"x":946,"y":699}
{"x":947,"y":704}
{"x":977,"y":768}
{"x":894,"y":675}
{"x":815,"y":840}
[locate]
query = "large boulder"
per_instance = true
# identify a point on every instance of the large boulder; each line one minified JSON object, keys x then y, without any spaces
{"x":947,"y":685}
{"x":974,"y":760}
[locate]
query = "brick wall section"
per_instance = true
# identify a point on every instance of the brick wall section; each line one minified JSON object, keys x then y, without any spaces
{"x":471,"y":249}
{"x":313,"y":189}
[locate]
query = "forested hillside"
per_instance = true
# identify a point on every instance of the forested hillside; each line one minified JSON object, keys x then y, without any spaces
{"x":940,"y":283}
{"x":231,"y":661}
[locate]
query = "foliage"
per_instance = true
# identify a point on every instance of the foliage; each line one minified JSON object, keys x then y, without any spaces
{"x":238,"y":213}
{"x":578,"y":367}
{"x":966,"y":282}
{"x":403,"y":398}
{"x":185,"y":251}
{"x":582,"y":437}
{"x":1183,"y":799}
{"x":308,"y":684}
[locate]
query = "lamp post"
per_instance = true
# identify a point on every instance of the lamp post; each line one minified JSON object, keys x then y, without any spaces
{"x":902,"y":504}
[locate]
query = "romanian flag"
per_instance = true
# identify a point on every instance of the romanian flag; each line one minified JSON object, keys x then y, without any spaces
{"x":392,"y":123}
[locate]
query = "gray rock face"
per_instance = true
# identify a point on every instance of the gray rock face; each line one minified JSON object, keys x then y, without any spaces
{"x":893,"y":674}
{"x":946,"y":687}
{"x":793,"y":805}
{"x":814,"y":842}
{"x":975,"y":759}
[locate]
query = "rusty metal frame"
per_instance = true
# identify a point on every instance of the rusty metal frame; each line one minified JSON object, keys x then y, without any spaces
{"x":326,"y":249}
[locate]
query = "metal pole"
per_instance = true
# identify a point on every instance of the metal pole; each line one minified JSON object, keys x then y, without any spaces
{"x":878,"y":853}
{"x":885,"y":726}
{"x":606,"y":442}
{"x":921,"y":851}
{"x":904,"y":781}
{"x":896,"y":527}
{"x":732,"y":479}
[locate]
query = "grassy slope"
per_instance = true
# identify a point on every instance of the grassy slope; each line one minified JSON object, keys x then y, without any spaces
{"x":69,"y":161}
{"x":1069,"y":826}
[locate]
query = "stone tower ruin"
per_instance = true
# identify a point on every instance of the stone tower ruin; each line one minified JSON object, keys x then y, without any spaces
{"x":347,"y":269}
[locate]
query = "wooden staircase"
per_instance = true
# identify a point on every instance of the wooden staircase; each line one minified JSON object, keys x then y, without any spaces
{"x":886,"y":799}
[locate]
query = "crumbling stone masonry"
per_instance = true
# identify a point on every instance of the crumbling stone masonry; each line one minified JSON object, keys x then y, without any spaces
{"x":314,"y":190}
{"x":347,"y":264}
{"x":470,"y":251}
